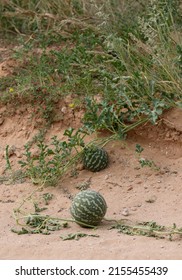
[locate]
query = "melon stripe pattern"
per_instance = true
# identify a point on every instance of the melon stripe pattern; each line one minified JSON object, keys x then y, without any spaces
{"x":88,"y":207}
{"x":95,"y":159}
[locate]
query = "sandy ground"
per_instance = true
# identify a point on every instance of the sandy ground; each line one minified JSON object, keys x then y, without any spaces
{"x":126,"y":186}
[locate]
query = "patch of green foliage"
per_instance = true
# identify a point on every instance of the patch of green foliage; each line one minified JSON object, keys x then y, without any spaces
{"x":149,"y":229}
{"x":121,"y":78}
{"x":37,"y":224}
{"x":144,"y":161}
{"x":77,"y":236}
{"x":53,"y":160}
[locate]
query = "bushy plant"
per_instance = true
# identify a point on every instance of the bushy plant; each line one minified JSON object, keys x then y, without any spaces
{"x":54,"y":160}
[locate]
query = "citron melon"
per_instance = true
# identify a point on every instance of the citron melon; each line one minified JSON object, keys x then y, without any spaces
{"x":95,"y":159}
{"x":88,"y":208}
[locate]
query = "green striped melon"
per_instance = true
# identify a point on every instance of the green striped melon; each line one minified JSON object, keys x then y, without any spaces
{"x":88,"y":207}
{"x":95,"y":159}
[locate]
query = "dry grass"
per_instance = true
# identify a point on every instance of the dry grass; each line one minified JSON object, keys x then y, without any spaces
{"x":27,"y":15}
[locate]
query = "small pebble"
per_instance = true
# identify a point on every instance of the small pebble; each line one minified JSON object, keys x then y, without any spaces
{"x":125,"y":212}
{"x":64,"y":110}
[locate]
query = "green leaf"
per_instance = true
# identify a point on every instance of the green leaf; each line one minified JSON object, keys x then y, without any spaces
{"x":138,"y":149}
{"x":76,"y":236}
{"x":68,"y":132}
